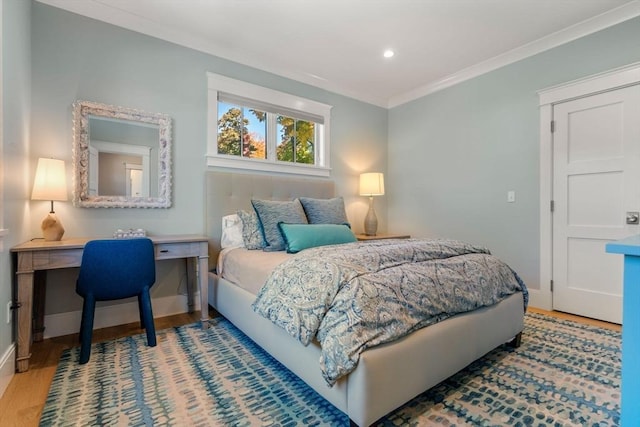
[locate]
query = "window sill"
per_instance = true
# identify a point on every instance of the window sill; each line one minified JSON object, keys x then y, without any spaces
{"x":266,"y":166}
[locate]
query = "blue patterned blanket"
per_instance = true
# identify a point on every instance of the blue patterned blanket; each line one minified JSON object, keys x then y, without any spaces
{"x":358,"y":295}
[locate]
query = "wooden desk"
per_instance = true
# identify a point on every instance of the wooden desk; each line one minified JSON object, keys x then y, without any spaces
{"x":33,"y":258}
{"x":630,"y":386}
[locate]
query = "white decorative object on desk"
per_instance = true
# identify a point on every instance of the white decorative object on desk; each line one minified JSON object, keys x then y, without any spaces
{"x":129,"y":234}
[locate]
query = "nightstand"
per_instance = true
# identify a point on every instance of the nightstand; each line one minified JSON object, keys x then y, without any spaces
{"x":364,"y":237}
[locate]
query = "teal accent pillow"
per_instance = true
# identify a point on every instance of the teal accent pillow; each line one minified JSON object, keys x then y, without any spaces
{"x":324,"y":211}
{"x":251,"y":231}
{"x":271,"y":212}
{"x":303,"y":236}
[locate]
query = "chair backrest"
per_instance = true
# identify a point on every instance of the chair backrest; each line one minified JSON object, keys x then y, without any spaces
{"x":116,"y":268}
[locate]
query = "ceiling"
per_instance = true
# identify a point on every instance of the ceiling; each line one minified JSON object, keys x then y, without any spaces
{"x":338,"y":44}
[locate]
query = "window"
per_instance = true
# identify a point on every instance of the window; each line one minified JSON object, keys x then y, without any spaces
{"x":252,"y":127}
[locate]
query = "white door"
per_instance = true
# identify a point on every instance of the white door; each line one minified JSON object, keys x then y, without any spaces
{"x":136,"y":182}
{"x":596,"y":182}
{"x":133,"y":180}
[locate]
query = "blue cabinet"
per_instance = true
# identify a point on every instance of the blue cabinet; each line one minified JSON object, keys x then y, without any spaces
{"x":630,"y":404}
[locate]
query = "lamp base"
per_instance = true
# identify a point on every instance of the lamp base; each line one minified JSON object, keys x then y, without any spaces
{"x":52,"y":228}
{"x":371,"y":220}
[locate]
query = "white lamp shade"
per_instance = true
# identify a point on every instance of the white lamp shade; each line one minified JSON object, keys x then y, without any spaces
{"x":51,"y":180}
{"x":372,"y":184}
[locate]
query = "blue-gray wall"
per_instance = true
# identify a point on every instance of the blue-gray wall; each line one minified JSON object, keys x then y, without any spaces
{"x":16,"y":105}
{"x":453,"y":155}
{"x":449,"y":157}
{"x":74,"y":57}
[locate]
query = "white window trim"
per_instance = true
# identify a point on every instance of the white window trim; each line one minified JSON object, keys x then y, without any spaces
{"x":217,"y":83}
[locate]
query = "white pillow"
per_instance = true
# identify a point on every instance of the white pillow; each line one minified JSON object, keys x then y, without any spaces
{"x":231,"y":232}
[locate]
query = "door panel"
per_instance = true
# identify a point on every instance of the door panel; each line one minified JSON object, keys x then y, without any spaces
{"x":596,"y":175}
{"x":587,"y":133}
{"x":588,"y":275}
{"x":595,"y":199}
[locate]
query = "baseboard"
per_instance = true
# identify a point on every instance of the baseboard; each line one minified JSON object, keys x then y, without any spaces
{"x":118,"y":314}
{"x":540,"y":299}
{"x":7,"y":368}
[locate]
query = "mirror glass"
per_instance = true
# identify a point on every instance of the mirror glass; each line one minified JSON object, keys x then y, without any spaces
{"x":121,"y":157}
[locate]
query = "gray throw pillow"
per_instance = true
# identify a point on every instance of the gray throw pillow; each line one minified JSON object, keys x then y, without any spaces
{"x":270,"y":213}
{"x":251,"y":232}
{"x":324,"y":211}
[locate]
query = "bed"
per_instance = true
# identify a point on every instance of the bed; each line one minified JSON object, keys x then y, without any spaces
{"x":387,"y":375}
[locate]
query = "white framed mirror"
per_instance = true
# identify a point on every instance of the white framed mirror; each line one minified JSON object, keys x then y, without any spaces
{"x":121,"y":157}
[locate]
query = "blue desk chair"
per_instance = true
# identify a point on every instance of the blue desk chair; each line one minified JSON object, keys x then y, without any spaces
{"x":115,"y":269}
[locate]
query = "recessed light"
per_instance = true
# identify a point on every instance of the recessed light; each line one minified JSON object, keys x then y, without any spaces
{"x":388,"y":53}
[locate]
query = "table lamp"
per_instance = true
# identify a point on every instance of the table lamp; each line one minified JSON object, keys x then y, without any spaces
{"x":371,"y":184}
{"x":50,"y":184}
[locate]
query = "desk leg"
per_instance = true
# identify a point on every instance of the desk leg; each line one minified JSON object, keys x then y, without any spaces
{"x":203,"y":284}
{"x":192,"y":272}
{"x":25,"y":311}
{"x":39,"y":295}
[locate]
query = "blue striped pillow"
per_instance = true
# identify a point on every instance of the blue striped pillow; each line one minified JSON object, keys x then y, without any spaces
{"x":324,"y":211}
{"x":272,"y":212}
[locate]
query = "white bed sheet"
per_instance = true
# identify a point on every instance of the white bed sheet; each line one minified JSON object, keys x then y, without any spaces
{"x":249,"y":269}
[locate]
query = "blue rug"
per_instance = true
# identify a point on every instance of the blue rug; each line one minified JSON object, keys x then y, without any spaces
{"x":564,"y":374}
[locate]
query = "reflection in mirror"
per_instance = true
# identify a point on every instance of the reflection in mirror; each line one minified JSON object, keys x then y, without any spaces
{"x":118,"y":151}
{"x":121,"y":157}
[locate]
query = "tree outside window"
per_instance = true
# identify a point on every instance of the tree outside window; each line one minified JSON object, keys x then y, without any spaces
{"x":239,"y":133}
{"x":242,"y":130}
{"x":297,"y":140}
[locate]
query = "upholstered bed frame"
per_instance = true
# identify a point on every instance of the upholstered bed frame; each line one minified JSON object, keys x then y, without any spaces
{"x":388,"y":375}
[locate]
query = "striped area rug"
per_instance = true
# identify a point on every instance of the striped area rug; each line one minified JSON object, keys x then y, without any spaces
{"x":564,"y":374}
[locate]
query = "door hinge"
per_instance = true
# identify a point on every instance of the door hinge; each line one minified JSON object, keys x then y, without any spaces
{"x":551,"y":285}
{"x":552,"y":206}
{"x":553,"y":126}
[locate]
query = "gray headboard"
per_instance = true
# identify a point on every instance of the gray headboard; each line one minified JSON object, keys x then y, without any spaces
{"x":226,"y":193}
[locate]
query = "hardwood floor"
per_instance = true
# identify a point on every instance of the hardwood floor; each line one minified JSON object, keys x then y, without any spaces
{"x":24,"y":399}
{"x":585,"y":320}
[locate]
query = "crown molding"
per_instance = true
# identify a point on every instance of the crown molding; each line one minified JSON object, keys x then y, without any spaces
{"x":99,"y":11}
{"x":582,"y":29}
